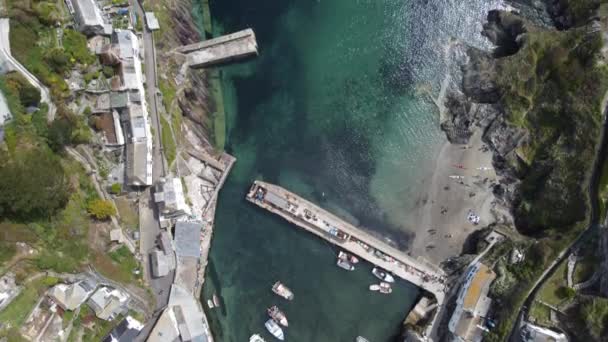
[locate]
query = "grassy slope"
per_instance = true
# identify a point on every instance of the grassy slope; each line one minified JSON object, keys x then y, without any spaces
{"x":553,"y":87}
{"x":564,"y":130}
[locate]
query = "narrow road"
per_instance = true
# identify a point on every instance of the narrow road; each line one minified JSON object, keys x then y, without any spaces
{"x":149,"y":224}
{"x":5,"y":50}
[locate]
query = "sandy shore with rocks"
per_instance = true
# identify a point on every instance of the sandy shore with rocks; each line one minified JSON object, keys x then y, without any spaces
{"x":461,"y":184}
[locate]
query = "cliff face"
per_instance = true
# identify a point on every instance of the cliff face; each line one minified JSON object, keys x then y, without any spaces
{"x":537,"y":98}
{"x":191,"y":95}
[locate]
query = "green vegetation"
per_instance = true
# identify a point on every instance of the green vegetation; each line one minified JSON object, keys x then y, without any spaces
{"x":541,"y":313}
{"x":7,"y":251}
{"x":595,"y":313}
{"x":122,"y":264}
{"x":75,"y":45}
{"x":585,"y":268}
{"x":564,"y":131}
{"x":169,"y":145}
{"x":129,"y":217}
{"x":168,"y":91}
{"x":16,"y":312}
{"x":603,"y":192}
{"x":101,"y":209}
{"x":116,"y":189}
{"x":514,"y":281}
{"x":555,"y":290}
{"x":108,"y":71}
{"x":27,"y":93}
{"x":577,"y":12}
{"x":22,"y":177}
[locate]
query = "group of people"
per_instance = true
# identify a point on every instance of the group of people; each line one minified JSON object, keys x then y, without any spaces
{"x":472,"y":217}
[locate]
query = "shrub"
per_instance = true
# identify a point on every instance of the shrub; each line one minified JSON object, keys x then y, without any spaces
{"x":58,"y":60}
{"x":75,"y":45}
{"x":116,"y":188}
{"x":564,"y":292}
{"x":108,"y":71}
{"x":101,"y":209}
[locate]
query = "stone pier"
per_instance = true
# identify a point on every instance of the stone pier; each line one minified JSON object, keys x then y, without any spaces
{"x":219,"y":50}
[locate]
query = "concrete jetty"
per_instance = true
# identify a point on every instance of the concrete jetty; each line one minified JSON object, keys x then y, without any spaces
{"x":222,"y":49}
{"x":324,"y":224}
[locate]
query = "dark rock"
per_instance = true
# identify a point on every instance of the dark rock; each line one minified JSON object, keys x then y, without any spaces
{"x":478,"y":77}
{"x":504,"y":29}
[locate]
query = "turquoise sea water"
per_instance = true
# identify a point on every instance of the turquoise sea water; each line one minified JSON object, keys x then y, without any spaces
{"x":337,"y":109}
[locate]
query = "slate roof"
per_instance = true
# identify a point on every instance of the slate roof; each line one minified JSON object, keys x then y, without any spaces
{"x":187,"y":239}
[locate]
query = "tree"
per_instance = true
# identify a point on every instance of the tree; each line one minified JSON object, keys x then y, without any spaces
{"x":60,"y":134}
{"x":101,"y":209}
{"x":33,"y":184}
{"x":58,"y":60}
{"x":564,"y":292}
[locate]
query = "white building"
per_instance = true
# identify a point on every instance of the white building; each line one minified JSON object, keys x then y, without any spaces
{"x":71,"y":296}
{"x":108,"y":303}
{"x":535,"y":333}
{"x":137,"y":131}
{"x":467,"y":321}
{"x":182,"y":320}
{"x":170,"y":199}
{"x":88,"y":17}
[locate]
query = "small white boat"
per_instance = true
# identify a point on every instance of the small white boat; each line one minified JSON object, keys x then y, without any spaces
{"x":216,"y":300}
{"x":282,"y":290}
{"x":383,"y":275}
{"x":274,"y":329}
{"x":361,"y":339}
{"x":345,"y":265}
{"x":385,"y":288}
{"x":348,"y":257}
{"x":210,"y":304}
{"x":374,"y":287}
{"x":275,"y":313}
{"x":256,"y":338}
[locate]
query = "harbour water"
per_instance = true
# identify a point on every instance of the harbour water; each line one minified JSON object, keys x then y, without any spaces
{"x":337,"y":109}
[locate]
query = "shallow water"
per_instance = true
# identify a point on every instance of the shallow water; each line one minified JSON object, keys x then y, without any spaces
{"x":336,"y":108}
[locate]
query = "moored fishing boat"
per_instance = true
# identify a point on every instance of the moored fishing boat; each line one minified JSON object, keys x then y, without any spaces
{"x":385,"y":288}
{"x":282,"y":290}
{"x":216,"y":300}
{"x":374,"y":287}
{"x":256,"y":338}
{"x":345,"y":265}
{"x":361,"y":339}
{"x":275,"y":313}
{"x":348,"y":257}
{"x":383,"y":275}
{"x":274,"y":329}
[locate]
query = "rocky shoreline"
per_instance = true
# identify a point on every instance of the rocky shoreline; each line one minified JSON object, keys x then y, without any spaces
{"x":479,"y":104}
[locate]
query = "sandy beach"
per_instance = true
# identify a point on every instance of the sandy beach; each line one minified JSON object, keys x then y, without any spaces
{"x":460,"y":186}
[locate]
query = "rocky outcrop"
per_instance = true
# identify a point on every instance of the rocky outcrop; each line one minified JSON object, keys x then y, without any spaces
{"x":192,"y":96}
{"x":476,"y":105}
{"x":505,"y":30}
